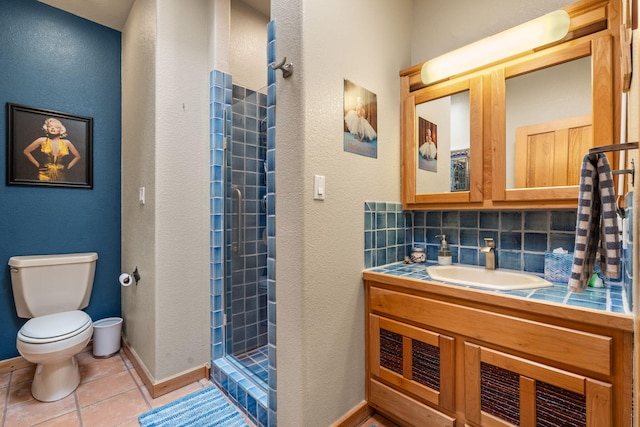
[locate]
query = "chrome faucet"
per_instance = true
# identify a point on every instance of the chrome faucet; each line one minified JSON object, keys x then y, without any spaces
{"x":489,"y":249}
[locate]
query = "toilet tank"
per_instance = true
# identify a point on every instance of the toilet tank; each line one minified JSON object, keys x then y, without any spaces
{"x":47,"y":284}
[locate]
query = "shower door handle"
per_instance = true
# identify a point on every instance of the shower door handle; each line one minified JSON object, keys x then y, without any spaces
{"x":236,"y":247}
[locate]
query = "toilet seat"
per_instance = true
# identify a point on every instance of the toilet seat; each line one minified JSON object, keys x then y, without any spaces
{"x":54,"y":327}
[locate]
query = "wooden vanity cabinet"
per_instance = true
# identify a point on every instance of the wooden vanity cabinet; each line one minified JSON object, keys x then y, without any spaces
{"x":504,"y":390}
{"x":448,"y":356}
{"x":418,"y":362}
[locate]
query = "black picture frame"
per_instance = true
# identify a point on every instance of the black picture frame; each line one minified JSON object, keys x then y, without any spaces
{"x":71,"y":167}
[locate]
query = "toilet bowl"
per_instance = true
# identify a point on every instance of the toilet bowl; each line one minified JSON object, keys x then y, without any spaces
{"x":51,"y":342}
{"x":51,"y":291}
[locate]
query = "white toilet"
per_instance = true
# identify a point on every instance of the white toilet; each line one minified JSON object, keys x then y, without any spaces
{"x":51,"y":290}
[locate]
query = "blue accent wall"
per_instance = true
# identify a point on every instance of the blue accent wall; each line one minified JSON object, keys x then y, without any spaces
{"x":58,"y":61}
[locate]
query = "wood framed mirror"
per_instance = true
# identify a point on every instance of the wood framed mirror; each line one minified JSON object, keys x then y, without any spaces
{"x":501,"y":176}
{"x":442,"y":159}
{"x":549,"y":110}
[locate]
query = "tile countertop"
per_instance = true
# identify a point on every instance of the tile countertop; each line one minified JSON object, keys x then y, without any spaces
{"x":611,"y":298}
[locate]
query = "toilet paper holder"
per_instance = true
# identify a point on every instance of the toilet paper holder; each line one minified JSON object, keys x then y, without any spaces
{"x":136,"y":275}
{"x":126,"y":278}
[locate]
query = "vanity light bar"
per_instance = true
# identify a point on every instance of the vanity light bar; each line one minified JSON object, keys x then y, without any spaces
{"x":530,"y":35}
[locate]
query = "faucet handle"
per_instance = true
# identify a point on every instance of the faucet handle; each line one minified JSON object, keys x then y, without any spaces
{"x":488,"y":241}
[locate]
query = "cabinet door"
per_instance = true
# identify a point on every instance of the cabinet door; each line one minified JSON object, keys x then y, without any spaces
{"x":413,"y":359}
{"x":504,"y":390}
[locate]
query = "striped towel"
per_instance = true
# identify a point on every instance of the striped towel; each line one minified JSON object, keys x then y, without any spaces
{"x":597,"y":225}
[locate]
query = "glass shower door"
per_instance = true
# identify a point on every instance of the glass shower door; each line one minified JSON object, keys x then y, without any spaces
{"x":245,"y":223}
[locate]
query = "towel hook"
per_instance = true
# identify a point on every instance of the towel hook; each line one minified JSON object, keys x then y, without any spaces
{"x":284,"y":66}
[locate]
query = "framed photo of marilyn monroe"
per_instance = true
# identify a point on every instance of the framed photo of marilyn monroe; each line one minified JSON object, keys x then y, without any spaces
{"x":48,"y":148}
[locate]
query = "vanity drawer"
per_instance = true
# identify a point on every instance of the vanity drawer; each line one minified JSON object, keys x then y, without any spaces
{"x":584,"y":350}
{"x":405,"y":408}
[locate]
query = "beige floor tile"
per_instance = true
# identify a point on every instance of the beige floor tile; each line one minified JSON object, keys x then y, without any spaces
{"x":91,"y":392}
{"x":22,"y":375}
{"x":34,"y":412}
{"x":114,"y":411}
{"x":136,"y":377}
{"x":92,"y":369}
{"x":3,"y":398}
{"x":126,"y":360}
{"x":109,"y":395}
{"x":205,"y":383}
{"x":20,"y":393}
{"x":133,"y":422}
{"x":174,"y":395}
{"x":4,"y":379}
{"x":71,"y":419}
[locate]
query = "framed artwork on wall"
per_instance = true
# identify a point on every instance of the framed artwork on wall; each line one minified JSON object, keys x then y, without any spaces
{"x":48,"y":148}
{"x":360,"y":124}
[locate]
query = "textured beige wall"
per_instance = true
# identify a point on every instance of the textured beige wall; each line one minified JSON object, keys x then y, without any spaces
{"x":248,"y":47}
{"x":320,"y":244}
{"x":166,"y":149}
{"x":182,"y":187}
{"x":138,"y":169}
{"x":220,"y":21}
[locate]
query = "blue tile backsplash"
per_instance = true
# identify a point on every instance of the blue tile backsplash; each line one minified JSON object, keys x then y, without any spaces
{"x":385,"y":233}
{"x":522,"y":238}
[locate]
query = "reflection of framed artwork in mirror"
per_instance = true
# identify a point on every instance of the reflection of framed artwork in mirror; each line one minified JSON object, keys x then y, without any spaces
{"x":428,"y":145}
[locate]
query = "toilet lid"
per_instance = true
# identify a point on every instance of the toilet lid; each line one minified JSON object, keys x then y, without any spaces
{"x":54,"y":327}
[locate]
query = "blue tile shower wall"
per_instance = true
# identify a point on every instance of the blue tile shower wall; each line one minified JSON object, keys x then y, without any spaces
{"x":220,"y":102}
{"x":271,"y":420}
{"x":246,"y":171}
{"x":247,"y":395}
{"x":259,"y":404}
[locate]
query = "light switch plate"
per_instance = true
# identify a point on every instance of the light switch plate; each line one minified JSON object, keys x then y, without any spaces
{"x":319,"y":188}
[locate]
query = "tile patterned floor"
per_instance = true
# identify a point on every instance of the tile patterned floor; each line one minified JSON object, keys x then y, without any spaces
{"x":257,"y":362}
{"x":111,"y":394}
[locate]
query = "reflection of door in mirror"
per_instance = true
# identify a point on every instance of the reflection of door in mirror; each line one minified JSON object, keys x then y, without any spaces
{"x":442,"y":126}
{"x":550,"y":110}
{"x":550,"y":154}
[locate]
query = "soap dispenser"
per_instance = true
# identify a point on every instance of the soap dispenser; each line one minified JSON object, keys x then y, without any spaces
{"x":444,"y":253}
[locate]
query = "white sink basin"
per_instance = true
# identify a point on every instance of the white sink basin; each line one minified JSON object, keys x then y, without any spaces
{"x":481,"y":277}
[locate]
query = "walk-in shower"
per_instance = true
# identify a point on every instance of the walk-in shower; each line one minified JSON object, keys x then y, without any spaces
{"x":243,"y":237}
{"x":245,"y":265}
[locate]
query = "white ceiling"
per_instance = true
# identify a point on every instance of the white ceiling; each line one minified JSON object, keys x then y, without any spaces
{"x":113,"y":13}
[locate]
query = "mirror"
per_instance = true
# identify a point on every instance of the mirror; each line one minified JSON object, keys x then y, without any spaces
{"x":501,"y":134}
{"x":548,"y":125}
{"x":539,"y":141}
{"x":442,"y":149}
{"x":442,"y":144}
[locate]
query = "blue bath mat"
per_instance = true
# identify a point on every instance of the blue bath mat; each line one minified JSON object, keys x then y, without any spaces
{"x":205,"y":408}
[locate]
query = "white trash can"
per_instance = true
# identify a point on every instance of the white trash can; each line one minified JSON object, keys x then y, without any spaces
{"x":106,"y":337}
